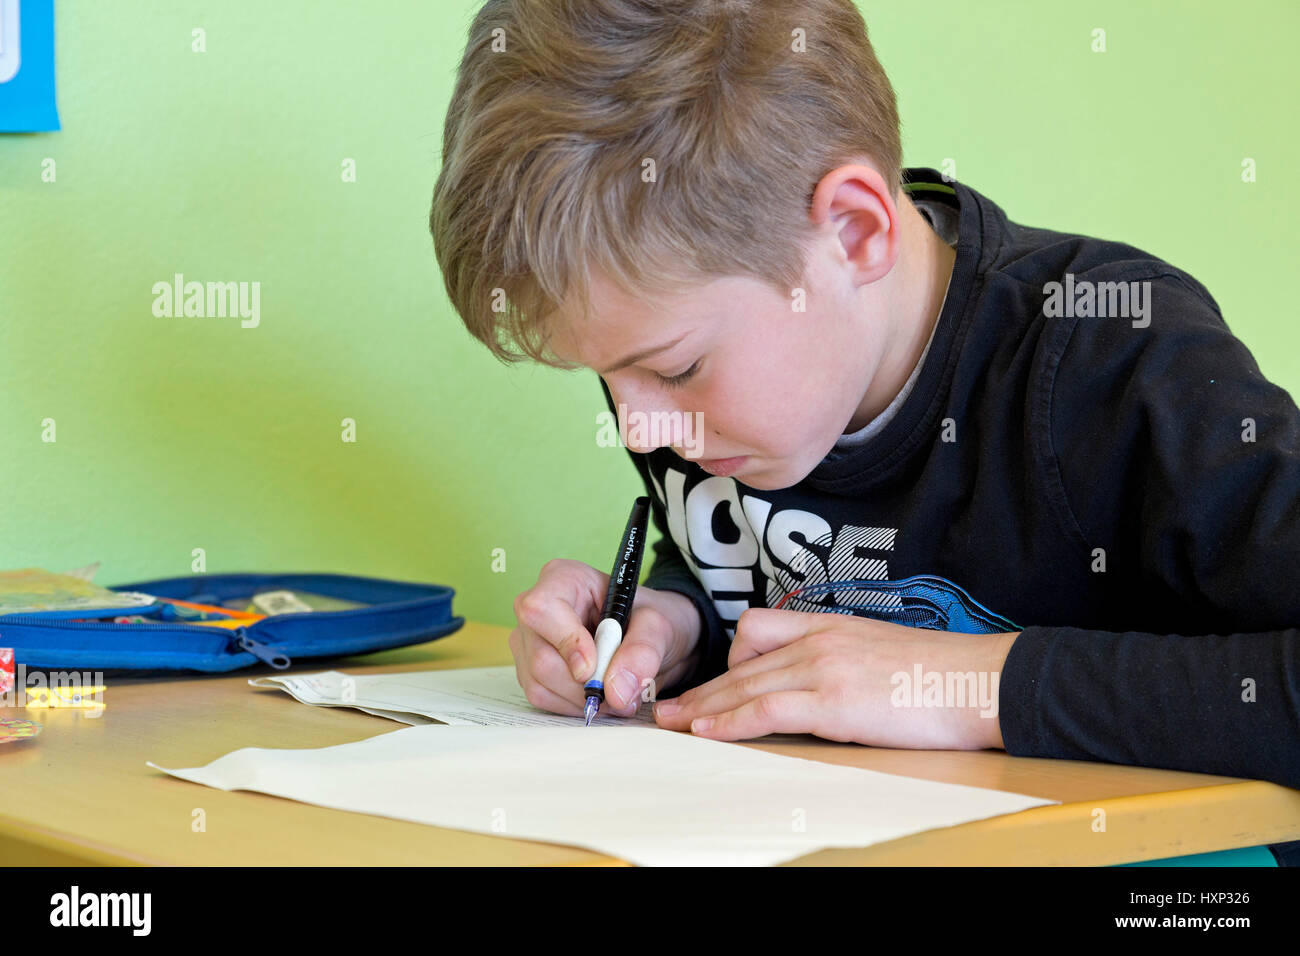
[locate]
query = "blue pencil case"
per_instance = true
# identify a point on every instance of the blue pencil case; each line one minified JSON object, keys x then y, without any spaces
{"x":384,"y":614}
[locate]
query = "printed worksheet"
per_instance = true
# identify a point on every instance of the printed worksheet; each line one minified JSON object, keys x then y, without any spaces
{"x":473,"y":696}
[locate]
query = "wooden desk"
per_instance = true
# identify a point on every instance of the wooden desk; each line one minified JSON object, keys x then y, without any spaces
{"x":80,"y":793}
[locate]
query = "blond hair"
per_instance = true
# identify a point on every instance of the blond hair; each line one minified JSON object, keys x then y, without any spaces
{"x":559,"y":104}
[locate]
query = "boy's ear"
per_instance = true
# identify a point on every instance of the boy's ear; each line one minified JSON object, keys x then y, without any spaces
{"x":855,"y":200}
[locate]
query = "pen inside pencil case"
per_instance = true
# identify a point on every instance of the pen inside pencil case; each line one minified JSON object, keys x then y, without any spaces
{"x":173,"y":611}
{"x":235,"y":612}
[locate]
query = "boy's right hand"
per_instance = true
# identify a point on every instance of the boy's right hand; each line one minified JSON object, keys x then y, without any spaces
{"x":555,"y":653}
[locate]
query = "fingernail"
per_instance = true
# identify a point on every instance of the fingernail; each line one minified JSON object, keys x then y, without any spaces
{"x":625,"y":684}
{"x":701,"y":725}
{"x":577,"y":666}
{"x":666,"y":708}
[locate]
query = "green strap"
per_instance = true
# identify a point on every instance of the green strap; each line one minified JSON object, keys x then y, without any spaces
{"x":932,"y":187}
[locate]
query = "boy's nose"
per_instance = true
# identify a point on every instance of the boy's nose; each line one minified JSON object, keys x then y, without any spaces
{"x":644,"y":425}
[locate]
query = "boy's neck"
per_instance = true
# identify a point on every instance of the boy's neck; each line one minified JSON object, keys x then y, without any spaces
{"x":925,"y":265}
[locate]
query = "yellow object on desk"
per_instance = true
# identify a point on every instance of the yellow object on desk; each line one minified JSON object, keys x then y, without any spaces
{"x":87,"y":696}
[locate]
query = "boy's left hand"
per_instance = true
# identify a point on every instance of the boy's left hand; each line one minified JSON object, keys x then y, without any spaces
{"x":836,"y":676}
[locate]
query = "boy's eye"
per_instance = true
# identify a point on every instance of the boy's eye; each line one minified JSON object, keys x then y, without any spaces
{"x":672,"y":381}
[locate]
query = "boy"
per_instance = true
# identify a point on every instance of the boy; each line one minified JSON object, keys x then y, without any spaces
{"x":1075,"y":498}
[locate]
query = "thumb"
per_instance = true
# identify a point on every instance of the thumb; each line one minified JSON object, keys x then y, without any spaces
{"x":632,"y":670}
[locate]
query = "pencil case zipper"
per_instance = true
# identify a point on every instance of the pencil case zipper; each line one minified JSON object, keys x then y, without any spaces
{"x":237,"y":638}
{"x":241,"y":641}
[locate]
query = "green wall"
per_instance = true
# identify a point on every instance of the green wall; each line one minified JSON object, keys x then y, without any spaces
{"x":183,"y":433}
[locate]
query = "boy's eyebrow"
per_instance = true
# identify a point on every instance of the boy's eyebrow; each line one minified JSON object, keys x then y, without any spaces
{"x":643,"y":354}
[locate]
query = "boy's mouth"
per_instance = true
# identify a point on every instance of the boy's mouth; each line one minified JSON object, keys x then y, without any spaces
{"x":722,"y":467}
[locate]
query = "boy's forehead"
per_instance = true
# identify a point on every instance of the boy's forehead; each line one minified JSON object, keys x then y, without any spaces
{"x":619,"y":323}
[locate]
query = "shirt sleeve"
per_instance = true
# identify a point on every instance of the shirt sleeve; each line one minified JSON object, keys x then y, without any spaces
{"x":669,"y":572}
{"x":1182,"y":462}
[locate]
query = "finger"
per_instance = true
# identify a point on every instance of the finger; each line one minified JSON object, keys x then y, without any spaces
{"x":763,"y":629}
{"x":732,"y":694}
{"x":549,"y":615}
{"x":561,"y":701}
{"x":547,"y":669}
{"x":782,"y":657}
{"x":545,"y":699}
{"x":534,"y":692}
{"x":784,"y":712}
{"x":516,"y":642}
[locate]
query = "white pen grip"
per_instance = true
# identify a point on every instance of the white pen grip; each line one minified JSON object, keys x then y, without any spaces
{"x":608,"y":636}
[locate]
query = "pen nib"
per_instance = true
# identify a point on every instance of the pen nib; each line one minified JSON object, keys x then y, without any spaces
{"x":593,"y":703}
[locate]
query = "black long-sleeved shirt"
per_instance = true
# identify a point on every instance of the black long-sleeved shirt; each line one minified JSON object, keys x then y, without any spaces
{"x":1097,"y":463}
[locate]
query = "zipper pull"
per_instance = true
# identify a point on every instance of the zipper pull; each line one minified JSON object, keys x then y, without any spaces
{"x":259,"y":650}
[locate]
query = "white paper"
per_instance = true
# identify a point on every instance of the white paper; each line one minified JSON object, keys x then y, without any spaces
{"x":648,"y":796}
{"x":471,"y":696}
{"x":414,"y":720}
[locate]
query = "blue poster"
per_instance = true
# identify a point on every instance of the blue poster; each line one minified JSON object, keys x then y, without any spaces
{"x":27,"y":67}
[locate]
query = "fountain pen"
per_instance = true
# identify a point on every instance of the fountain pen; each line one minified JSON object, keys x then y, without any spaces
{"x":618,"y":601}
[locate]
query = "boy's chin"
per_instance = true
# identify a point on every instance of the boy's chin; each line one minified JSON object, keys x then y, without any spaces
{"x":770,"y":479}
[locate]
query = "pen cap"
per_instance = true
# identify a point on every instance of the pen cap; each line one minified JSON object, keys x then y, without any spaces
{"x":627,"y":565}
